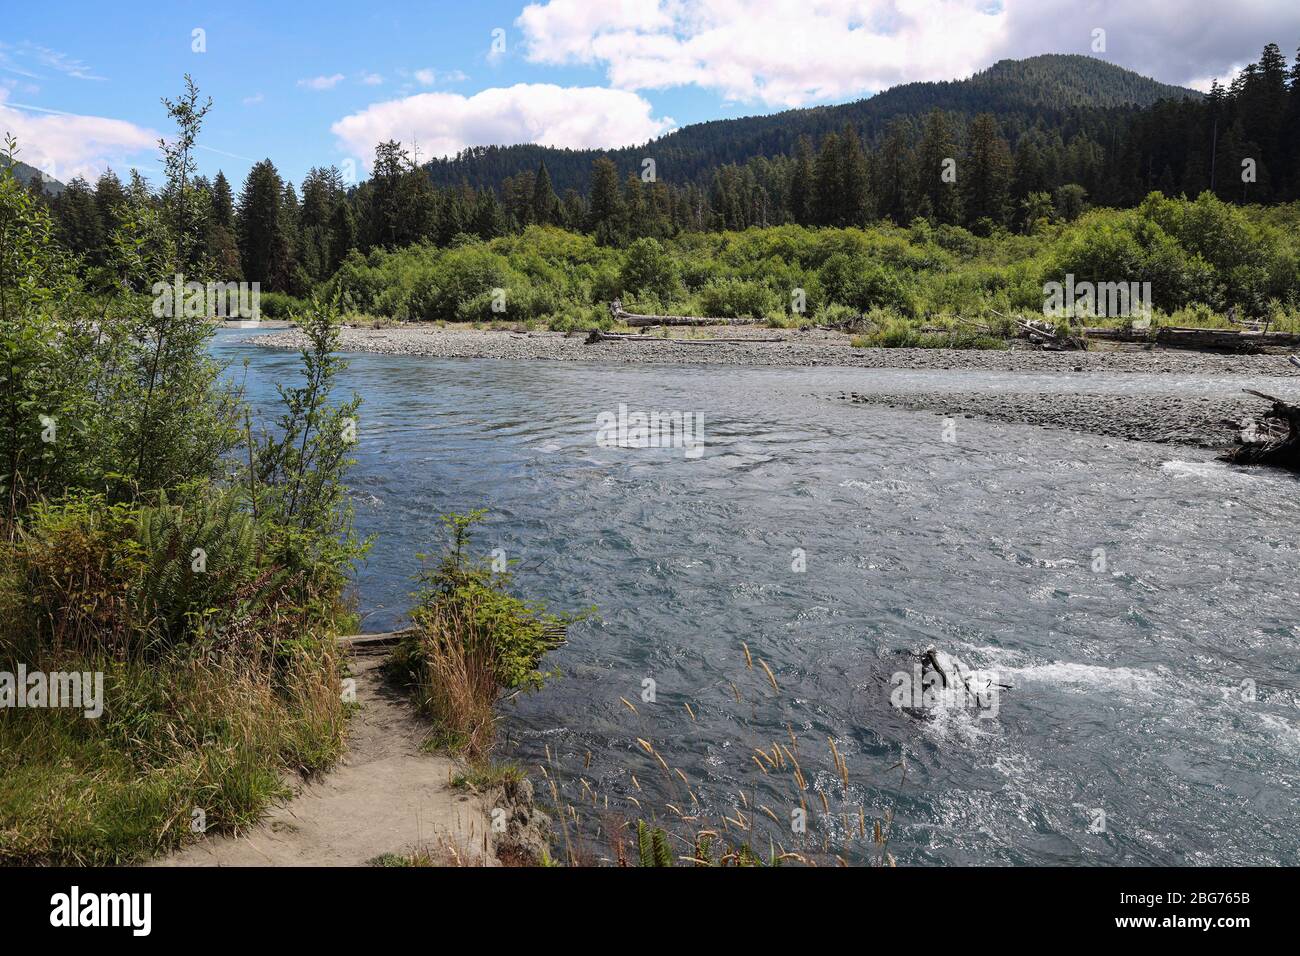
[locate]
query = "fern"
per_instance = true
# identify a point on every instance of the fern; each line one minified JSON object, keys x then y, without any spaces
{"x":652,"y":845}
{"x":643,"y":844}
{"x":663,"y":855}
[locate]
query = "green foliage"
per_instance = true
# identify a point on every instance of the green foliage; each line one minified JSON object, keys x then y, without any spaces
{"x":470,"y":641}
{"x":520,"y":633}
{"x":738,"y":298}
{"x":1201,"y":250}
{"x":652,"y":846}
{"x":297,"y":477}
{"x":647,"y":268}
{"x":863,"y":284}
{"x":146,"y":533}
{"x":1191,"y":251}
{"x":280,"y":305}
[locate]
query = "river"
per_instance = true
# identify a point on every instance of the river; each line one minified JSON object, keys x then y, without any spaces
{"x":1139,"y":600}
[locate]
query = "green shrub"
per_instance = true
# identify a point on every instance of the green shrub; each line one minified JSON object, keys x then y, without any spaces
{"x":738,"y":298}
{"x":863,"y":284}
{"x":647,"y":268}
{"x":470,"y":641}
{"x":279,"y":305}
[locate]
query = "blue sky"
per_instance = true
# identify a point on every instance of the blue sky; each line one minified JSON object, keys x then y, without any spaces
{"x":320,"y":83}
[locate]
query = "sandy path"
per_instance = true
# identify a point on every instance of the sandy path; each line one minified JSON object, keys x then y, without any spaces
{"x":385,"y":796}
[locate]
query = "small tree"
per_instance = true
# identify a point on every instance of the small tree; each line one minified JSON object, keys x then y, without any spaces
{"x":648,"y":268}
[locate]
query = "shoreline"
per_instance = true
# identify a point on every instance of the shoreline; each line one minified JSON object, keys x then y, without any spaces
{"x":797,"y":349}
{"x":1210,"y":423}
{"x":1169,"y":417}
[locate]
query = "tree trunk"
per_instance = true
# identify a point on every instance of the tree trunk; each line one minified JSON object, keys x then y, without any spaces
{"x":1279,"y":445}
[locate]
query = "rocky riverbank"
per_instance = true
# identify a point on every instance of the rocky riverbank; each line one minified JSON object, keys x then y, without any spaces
{"x":1207,"y":422}
{"x":794,"y":349}
{"x":1171,"y":419}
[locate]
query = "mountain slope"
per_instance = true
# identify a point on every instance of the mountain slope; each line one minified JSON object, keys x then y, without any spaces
{"x":1050,"y":90}
{"x":25,"y":174}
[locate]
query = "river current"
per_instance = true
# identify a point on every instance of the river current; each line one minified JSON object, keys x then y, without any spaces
{"x":1139,"y":603}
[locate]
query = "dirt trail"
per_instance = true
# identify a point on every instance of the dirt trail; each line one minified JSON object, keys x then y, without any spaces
{"x":387,"y":795}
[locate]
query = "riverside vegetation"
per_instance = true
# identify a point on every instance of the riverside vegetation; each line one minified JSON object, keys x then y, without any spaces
{"x":1060,"y":166}
{"x":469,"y":641}
{"x":150,"y":533}
{"x":1203,"y":258}
{"x":134,"y":543}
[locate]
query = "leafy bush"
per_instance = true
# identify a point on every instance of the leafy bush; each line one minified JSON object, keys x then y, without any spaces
{"x":147,"y":534}
{"x":470,"y":641}
{"x":279,"y":305}
{"x":648,"y":268}
{"x":863,"y":284}
{"x":1187,"y":250}
{"x":738,"y":298}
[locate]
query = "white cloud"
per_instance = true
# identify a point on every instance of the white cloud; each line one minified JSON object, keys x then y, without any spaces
{"x":321,"y":83}
{"x":794,"y":52}
{"x":66,"y":144}
{"x":41,"y":56}
{"x":372,"y":79}
{"x":61,"y":62}
{"x":21,"y":87}
{"x":443,"y":123}
{"x":431,"y":77}
{"x":779,"y":52}
{"x":254,"y":99}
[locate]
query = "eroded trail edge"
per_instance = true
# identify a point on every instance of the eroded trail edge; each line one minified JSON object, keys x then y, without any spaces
{"x":387,"y":796}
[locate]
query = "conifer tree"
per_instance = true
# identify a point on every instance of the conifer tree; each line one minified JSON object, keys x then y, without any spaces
{"x":545,"y":204}
{"x":605,"y":218}
{"x":986,"y":174}
{"x":263,"y":246}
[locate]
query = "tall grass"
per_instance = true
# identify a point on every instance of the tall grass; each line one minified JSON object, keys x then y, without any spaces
{"x":470,"y":642}
{"x":652,"y":813}
{"x":182,"y":748}
{"x":216,"y":690}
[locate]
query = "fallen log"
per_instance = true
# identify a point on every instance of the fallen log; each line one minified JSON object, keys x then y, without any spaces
{"x":598,"y":336}
{"x":636,"y":321}
{"x":1040,"y":335}
{"x":1120,"y":333}
{"x":1224,"y":339}
{"x":1274,"y":441}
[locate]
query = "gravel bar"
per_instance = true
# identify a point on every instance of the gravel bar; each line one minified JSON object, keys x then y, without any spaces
{"x":798,"y":349}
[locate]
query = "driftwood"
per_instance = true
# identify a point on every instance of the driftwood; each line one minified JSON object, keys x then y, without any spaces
{"x":1224,"y":339}
{"x":1277,"y":443}
{"x":1045,"y":337}
{"x":598,"y":336}
{"x":1246,"y":337}
{"x":637,"y":321}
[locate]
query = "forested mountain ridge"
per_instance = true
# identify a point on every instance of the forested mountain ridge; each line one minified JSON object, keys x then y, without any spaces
{"x":25,"y":174}
{"x":1058,"y":92}
{"x":985,"y":174}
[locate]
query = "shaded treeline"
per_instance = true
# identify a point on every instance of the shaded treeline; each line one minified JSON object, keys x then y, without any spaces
{"x":1035,"y":153}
